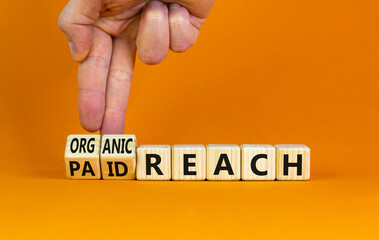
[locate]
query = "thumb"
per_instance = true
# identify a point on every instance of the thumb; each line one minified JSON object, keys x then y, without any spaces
{"x":75,"y":21}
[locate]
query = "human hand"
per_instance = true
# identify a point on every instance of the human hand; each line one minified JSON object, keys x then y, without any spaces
{"x":103,"y":37}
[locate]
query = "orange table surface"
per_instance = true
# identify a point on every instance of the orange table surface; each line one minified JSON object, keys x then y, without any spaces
{"x":273,"y":72}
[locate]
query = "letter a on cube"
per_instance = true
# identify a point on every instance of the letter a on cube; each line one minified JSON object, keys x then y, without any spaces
{"x":223,"y":162}
{"x":118,"y":156}
{"x":154,"y":162}
{"x":82,"y":157}
{"x":292,"y":162}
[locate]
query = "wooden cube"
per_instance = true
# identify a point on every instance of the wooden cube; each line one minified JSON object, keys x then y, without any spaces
{"x":258,"y":162}
{"x":188,"y":162}
{"x":82,"y":157}
{"x":292,"y":162}
{"x":118,"y":156}
{"x":223,"y":162}
{"x":154,"y":162}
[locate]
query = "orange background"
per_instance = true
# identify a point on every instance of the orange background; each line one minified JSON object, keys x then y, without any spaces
{"x":261,"y":72}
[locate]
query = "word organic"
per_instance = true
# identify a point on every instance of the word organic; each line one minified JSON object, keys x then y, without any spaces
{"x":118,"y":157}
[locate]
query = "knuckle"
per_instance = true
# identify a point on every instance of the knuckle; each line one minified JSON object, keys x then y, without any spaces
{"x":154,"y":15}
{"x":121,"y":76}
{"x":115,"y":109}
{"x":63,"y":23}
{"x":98,"y":61}
{"x":91,"y":93}
{"x":156,"y":11}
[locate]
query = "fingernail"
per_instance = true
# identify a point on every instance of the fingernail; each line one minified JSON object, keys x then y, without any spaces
{"x":72,"y":49}
{"x":174,"y":6}
{"x":196,"y":33}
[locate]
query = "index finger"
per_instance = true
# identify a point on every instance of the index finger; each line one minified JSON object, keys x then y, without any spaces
{"x":92,"y":75}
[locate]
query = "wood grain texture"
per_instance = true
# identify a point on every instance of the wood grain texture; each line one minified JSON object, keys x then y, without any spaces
{"x":195,"y":155}
{"x":118,"y":156}
{"x":164,"y":154}
{"x":219,"y":154}
{"x":292,"y":154}
{"x":262,"y":157}
{"x":82,"y":157}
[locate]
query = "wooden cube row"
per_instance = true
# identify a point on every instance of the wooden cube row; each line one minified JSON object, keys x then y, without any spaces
{"x":118,"y":157}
